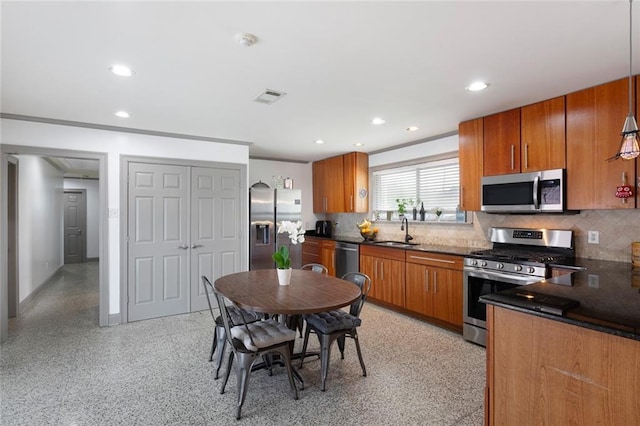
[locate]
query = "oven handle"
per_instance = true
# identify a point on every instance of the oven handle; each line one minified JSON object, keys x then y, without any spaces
{"x":536,"y":200}
{"x":508,"y":278}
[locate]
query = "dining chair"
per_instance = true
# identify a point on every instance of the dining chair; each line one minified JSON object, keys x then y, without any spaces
{"x":219,"y":341}
{"x":336,"y":325}
{"x":315,"y":267}
{"x":248,"y":342}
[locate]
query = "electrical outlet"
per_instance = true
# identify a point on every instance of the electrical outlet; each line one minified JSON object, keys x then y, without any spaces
{"x":593,"y":281}
{"x":593,"y":237}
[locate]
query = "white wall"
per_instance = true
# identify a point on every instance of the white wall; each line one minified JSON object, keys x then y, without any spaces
{"x":40,"y":222}
{"x":412,"y":152}
{"x":265,"y":170}
{"x":93,"y":218}
{"x":115,"y":145}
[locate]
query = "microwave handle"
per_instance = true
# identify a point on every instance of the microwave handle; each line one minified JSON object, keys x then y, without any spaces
{"x":536,"y":184}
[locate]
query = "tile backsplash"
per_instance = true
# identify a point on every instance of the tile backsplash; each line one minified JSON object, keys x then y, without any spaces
{"x":617,"y":228}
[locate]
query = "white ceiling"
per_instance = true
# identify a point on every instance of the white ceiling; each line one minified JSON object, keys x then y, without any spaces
{"x":340,"y":63}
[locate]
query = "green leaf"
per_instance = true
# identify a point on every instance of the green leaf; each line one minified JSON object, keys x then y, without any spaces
{"x":281,"y":258}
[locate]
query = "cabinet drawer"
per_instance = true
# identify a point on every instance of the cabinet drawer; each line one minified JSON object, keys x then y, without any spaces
{"x":382,"y":252}
{"x":435,"y":259}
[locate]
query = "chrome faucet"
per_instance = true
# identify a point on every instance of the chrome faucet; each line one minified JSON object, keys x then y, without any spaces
{"x":407,"y":237}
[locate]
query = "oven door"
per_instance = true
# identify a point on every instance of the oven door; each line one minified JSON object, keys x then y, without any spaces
{"x":478,"y":282}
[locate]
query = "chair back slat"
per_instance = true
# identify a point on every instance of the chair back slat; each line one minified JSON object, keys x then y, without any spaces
{"x":364,"y":283}
{"x":316,"y":267}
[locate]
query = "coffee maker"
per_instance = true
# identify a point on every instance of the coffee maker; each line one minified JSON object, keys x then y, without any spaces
{"x":324,"y":228}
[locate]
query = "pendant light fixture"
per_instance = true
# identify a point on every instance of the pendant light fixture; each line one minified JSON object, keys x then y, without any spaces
{"x":630,"y":146}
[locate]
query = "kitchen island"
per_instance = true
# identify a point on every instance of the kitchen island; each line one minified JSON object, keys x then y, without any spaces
{"x":581,"y":366}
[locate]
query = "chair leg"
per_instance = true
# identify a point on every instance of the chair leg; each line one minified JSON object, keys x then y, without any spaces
{"x":244,"y":370}
{"x":325,"y":357}
{"x":287,"y":359}
{"x":222,"y":343}
{"x":226,"y":376}
{"x":341,"y":346}
{"x":304,"y":345}
{"x":355,"y":337}
{"x":213,"y":344}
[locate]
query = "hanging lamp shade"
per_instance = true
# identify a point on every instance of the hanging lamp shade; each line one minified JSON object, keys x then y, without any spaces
{"x":630,"y":144}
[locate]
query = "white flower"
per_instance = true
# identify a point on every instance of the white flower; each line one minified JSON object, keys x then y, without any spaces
{"x":294,"y":229}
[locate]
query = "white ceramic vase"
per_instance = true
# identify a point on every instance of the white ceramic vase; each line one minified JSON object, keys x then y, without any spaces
{"x":284,"y":276}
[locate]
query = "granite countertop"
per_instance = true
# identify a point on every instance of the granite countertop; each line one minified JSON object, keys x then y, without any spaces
{"x":608,"y":294}
{"x":460,"y":251}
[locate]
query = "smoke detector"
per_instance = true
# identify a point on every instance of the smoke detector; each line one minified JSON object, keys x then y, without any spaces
{"x":246,"y":39}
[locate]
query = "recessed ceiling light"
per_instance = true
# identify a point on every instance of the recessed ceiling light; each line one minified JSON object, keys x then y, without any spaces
{"x":319,"y":141}
{"x":358,"y":144}
{"x":412,"y":128}
{"x":121,"y":70}
{"x":246,"y":39}
{"x":477,"y":86}
{"x":123,"y":114}
{"x":378,"y":121}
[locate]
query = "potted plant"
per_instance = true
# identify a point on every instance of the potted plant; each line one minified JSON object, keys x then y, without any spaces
{"x":438,"y":212}
{"x":402,"y":205}
{"x":281,"y":256}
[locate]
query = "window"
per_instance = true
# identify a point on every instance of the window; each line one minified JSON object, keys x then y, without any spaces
{"x":434,"y":183}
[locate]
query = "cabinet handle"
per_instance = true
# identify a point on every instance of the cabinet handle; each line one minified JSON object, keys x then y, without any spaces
{"x":435,"y":282}
{"x":526,"y":156}
{"x":375,"y":269}
{"x":432,"y":259}
{"x":513,"y":154}
{"x":426,"y":281}
{"x":382,"y":270}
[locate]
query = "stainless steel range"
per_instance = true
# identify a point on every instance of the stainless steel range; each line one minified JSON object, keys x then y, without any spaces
{"x":518,"y":257}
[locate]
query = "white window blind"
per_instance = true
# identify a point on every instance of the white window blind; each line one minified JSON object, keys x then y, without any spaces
{"x":436,"y":184}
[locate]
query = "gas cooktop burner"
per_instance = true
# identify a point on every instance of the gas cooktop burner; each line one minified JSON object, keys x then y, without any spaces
{"x":523,"y":256}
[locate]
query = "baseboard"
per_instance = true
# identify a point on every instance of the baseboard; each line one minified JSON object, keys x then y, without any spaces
{"x":92,"y":259}
{"x":114,"y":319}
{"x":31,"y":297}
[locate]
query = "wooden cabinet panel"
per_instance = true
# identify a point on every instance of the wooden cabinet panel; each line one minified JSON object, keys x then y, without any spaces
{"x":356,"y":182}
{"x":417,"y":296}
{"x":317,"y":175}
{"x":334,"y":184}
{"x":385,"y":267}
{"x":320,"y":250}
{"x":501,"y":142}
{"x":368,"y":266}
{"x":328,"y":256}
{"x":542,"y":135}
{"x":594,"y":120}
{"x":545,"y":372}
{"x":470,"y":152}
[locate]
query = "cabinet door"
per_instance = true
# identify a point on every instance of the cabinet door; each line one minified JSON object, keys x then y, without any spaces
{"x":502,"y":143}
{"x":317,"y":171}
{"x":418,"y":282}
{"x":542,"y":136}
{"x":328,"y":256}
{"x":311,"y":251}
{"x":392,"y":272}
{"x":594,"y":119}
{"x":356,"y":182}
{"x":447,"y":295}
{"x":333,"y":187}
{"x":368,"y":265}
{"x":455,"y":278}
{"x":470,"y":141}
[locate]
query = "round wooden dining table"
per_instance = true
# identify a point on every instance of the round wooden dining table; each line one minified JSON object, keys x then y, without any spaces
{"x":308,"y":292}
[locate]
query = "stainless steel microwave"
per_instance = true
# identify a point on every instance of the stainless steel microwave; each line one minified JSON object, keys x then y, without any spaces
{"x":535,"y":192}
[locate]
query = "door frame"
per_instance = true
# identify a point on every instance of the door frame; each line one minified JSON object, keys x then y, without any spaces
{"x":7,"y":151}
{"x":13,"y":289}
{"x":83,"y":219}
{"x":124,"y":204}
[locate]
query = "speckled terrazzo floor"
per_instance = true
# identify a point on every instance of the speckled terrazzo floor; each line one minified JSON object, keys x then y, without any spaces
{"x":58,"y":367}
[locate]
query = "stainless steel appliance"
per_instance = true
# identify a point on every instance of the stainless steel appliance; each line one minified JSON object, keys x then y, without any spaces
{"x":536,"y":192}
{"x":518,"y":257}
{"x":267,"y":208}
{"x":347,"y":258}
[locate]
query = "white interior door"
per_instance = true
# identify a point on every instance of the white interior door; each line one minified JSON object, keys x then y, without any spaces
{"x":215,"y":228}
{"x":158,"y":232}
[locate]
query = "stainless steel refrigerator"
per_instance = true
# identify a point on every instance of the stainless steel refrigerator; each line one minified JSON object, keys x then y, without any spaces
{"x":267,"y":208}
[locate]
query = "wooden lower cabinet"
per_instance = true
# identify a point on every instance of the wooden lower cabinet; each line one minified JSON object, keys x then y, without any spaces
{"x":546,"y":372}
{"x":320,"y":250}
{"x":385,"y":267}
{"x":434,"y":286}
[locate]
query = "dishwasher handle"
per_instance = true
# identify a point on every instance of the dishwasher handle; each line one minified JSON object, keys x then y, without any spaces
{"x":346,"y":248}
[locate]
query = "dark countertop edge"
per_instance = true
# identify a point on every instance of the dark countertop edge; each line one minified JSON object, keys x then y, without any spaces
{"x":565,"y":319}
{"x":454,"y":250}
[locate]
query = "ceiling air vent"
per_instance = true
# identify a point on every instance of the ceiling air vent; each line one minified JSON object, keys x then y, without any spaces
{"x":268,"y":96}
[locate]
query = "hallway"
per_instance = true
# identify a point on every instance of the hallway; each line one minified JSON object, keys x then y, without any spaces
{"x":58,"y":367}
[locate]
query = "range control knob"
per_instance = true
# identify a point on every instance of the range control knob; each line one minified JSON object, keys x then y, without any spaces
{"x":483,"y":263}
{"x":473,"y":262}
{"x":517,"y":268}
{"x":499,"y":265}
{"x":531,"y":269}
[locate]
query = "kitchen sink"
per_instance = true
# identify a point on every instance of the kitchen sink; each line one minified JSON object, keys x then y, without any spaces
{"x":400,"y":244}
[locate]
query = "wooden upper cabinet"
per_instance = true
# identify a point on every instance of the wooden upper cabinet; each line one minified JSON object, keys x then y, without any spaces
{"x":595,"y":117}
{"x":341,"y":184}
{"x":356,"y":182}
{"x":542,"y":136}
{"x":328,"y":184}
{"x":502,"y":143}
{"x":470,"y":137}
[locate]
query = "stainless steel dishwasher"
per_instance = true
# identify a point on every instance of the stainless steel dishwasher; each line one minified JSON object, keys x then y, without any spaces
{"x":347,"y":258}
